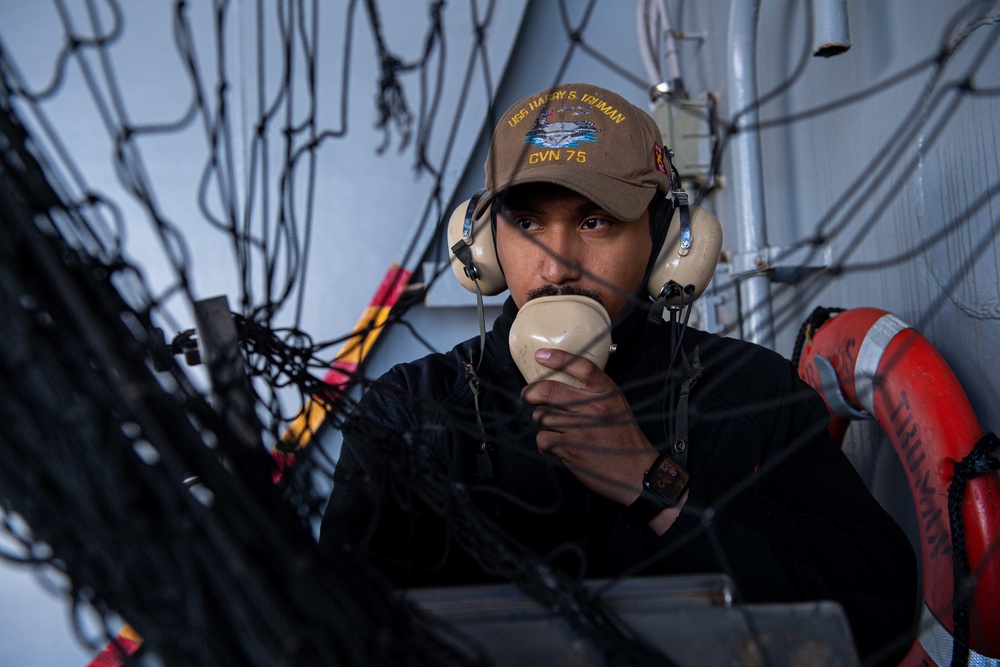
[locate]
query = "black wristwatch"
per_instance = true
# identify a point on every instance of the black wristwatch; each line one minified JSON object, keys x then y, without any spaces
{"x":662,"y":487}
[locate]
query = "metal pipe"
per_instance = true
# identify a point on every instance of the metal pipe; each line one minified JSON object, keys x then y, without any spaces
{"x":831,"y":34}
{"x":755,"y":290}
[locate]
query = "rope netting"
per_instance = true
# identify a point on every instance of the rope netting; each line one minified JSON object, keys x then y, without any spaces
{"x":126,"y":475}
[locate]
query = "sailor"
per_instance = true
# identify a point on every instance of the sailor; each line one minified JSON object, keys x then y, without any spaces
{"x":682,"y":452}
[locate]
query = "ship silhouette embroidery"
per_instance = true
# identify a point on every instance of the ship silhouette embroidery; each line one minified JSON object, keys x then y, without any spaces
{"x":561,"y":134}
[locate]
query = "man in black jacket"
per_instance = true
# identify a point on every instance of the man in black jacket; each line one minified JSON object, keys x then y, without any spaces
{"x":687,"y":452}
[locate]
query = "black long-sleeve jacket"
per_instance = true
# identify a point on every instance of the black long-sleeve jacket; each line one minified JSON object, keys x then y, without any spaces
{"x":790,"y":519}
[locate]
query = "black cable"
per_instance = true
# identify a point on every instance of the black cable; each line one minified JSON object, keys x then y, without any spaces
{"x":982,"y":460}
{"x":817,"y":318}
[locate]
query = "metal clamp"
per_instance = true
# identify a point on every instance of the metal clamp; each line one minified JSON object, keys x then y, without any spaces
{"x":831,"y":392}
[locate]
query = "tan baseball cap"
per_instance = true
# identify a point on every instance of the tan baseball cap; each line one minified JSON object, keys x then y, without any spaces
{"x":584,"y":138}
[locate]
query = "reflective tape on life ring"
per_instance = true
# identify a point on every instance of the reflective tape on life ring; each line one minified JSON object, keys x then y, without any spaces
{"x":873,"y":347}
{"x":937,"y":642}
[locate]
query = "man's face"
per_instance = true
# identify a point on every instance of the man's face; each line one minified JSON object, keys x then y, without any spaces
{"x":551,"y":240}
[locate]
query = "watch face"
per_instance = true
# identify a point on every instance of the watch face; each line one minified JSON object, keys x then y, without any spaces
{"x":667,"y":479}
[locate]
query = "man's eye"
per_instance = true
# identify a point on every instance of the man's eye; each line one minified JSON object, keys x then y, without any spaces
{"x":597,"y":223}
{"x":525,"y":224}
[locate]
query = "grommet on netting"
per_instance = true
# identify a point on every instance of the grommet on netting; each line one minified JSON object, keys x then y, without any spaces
{"x":981,"y":460}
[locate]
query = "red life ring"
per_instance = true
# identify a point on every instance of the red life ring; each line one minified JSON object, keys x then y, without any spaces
{"x":868,"y":360}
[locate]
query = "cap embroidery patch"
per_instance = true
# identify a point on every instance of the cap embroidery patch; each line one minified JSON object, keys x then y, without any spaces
{"x":562,"y":134}
{"x":661,"y":163}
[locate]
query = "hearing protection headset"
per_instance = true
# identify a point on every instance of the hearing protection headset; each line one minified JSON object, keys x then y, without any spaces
{"x":684,"y":264}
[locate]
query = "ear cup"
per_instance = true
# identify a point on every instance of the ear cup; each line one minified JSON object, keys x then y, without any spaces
{"x":473,"y":251}
{"x":677,"y":268}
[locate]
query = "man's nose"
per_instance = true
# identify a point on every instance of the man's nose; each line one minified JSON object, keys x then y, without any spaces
{"x":560,"y":259}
